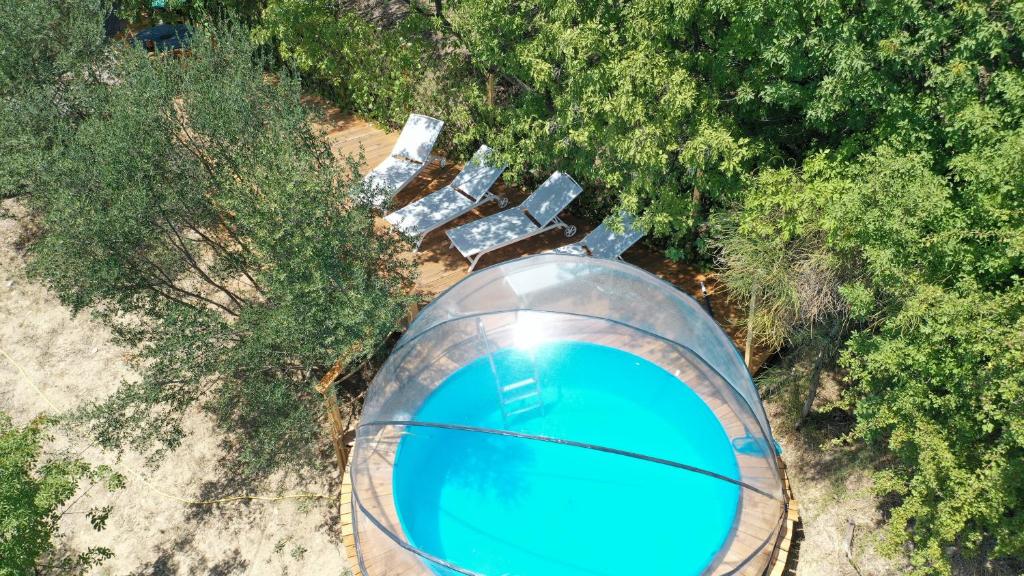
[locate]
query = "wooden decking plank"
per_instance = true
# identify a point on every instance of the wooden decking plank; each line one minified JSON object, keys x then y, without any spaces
{"x":352,"y":133}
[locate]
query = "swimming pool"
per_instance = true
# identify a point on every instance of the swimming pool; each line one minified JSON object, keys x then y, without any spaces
{"x":498,"y":505}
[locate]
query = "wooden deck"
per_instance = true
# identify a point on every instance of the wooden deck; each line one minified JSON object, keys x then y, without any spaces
{"x":441,"y":266}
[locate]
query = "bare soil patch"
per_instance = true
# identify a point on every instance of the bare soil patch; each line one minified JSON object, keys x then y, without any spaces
{"x":68,"y":361}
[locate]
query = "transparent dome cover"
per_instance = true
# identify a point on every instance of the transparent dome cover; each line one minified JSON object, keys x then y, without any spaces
{"x":564,"y":415}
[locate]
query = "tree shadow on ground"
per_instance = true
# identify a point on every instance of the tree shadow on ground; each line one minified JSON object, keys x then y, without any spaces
{"x":819,"y":438}
{"x":167,"y":563}
{"x":230,"y":483}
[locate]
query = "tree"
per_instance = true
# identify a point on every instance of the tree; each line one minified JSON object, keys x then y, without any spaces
{"x":53,"y":52}
{"x":550,"y":85}
{"x":34,"y":495}
{"x":199,"y":215}
{"x":881,"y":247}
{"x":940,"y":385}
{"x":660,"y":106}
{"x":773,"y":253}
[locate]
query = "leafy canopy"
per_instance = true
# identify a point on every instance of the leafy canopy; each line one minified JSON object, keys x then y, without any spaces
{"x":195,"y":211}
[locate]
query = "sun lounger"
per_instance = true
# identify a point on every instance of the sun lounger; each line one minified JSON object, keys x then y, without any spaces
{"x":469,"y":190}
{"x":603,"y":242}
{"x":537,"y":214}
{"x":408,"y":158}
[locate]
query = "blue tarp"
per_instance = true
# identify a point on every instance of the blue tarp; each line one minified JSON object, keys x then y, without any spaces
{"x":165,"y":37}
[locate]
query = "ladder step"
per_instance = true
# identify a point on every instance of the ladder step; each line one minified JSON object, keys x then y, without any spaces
{"x":524,"y":410}
{"x":526,"y":396}
{"x":517,"y":385}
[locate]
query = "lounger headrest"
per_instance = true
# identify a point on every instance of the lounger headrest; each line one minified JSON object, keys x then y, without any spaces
{"x":606,"y":243}
{"x":479,"y":174}
{"x":417,"y":138}
{"x":557,"y":192}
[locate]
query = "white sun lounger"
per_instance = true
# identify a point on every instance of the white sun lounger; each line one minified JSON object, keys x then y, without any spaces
{"x":537,"y":214}
{"x":470,"y":189}
{"x":408,"y":158}
{"x":603,"y":242}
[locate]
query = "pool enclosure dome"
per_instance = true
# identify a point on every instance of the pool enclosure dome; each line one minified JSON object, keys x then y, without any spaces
{"x":558,"y":416}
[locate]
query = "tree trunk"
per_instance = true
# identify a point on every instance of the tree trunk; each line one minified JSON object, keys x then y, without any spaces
{"x":326,"y":389}
{"x":437,"y":8}
{"x":826,"y":355}
{"x":812,"y":387}
{"x":750,"y":328}
{"x":490,"y":88}
{"x":337,"y":429}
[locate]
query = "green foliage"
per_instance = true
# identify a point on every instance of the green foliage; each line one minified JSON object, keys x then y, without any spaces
{"x":34,"y":495}
{"x":589,"y":90}
{"x":857,"y":170}
{"x":51,"y":51}
{"x":941,"y":384}
{"x":199,"y":215}
{"x":857,"y":161}
{"x":608,"y":100}
{"x":660,"y":106}
{"x":924,"y":272}
{"x":910,"y":229}
{"x":372,"y":70}
{"x":43,"y":41}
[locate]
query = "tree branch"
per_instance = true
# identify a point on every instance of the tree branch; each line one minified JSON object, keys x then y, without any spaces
{"x":227,"y":254}
{"x":183,"y":249}
{"x":166,"y":280}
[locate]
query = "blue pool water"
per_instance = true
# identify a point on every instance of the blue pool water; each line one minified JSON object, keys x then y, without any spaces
{"x":499,"y":505}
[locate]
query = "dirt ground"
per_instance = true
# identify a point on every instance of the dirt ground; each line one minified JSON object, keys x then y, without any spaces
{"x":833,"y":488}
{"x":70,"y":360}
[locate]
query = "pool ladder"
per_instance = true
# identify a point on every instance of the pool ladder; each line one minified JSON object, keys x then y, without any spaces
{"x":515,"y":398}
{"x":520,"y":397}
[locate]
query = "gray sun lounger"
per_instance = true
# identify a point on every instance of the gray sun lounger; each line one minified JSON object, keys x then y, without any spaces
{"x":469,"y":190}
{"x":537,"y":214}
{"x":408,"y":158}
{"x":603,"y":242}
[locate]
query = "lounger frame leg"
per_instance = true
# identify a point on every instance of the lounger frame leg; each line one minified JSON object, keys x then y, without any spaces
{"x":557,"y":222}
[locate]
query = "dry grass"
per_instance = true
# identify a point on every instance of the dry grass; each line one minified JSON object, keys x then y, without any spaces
{"x":71,"y":361}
